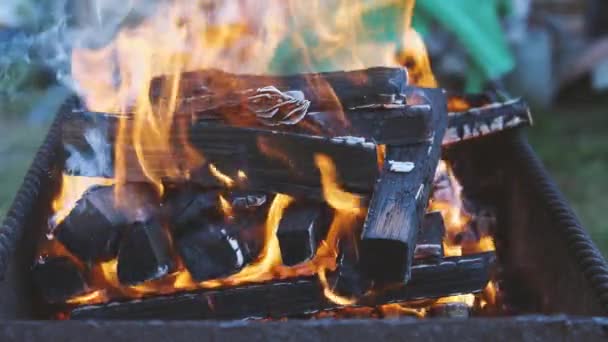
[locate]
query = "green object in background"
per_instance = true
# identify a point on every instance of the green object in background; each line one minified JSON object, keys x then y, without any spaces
{"x":475,"y":23}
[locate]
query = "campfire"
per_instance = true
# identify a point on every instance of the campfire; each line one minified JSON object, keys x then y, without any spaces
{"x":198,"y":183}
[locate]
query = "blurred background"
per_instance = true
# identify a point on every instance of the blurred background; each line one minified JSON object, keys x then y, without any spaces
{"x":554,"y":53}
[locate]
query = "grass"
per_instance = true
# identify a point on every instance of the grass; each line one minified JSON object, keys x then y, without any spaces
{"x":18,"y":143}
{"x":573,"y":143}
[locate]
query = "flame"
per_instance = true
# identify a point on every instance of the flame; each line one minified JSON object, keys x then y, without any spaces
{"x":72,"y":189}
{"x":226,"y":207}
{"x":222,"y":177}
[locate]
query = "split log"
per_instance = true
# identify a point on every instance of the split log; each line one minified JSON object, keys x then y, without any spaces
{"x":283,"y":162}
{"x":398,"y":202}
{"x":145,"y":253}
{"x":92,"y":230}
{"x":486,"y":120}
{"x":300,"y":230}
{"x":430,"y":237}
{"x":216,"y":249}
{"x":455,"y":275}
{"x":58,"y":279}
{"x":325,"y":91}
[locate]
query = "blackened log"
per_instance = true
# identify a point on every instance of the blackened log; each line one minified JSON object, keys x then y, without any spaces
{"x":300,"y":230}
{"x":246,"y":200}
{"x":325,"y":91}
{"x":93,"y":228}
{"x":58,"y":279}
{"x":145,"y":253}
{"x":451,"y":310}
{"x":347,"y":280}
{"x":218,"y":248}
{"x":283,"y":162}
{"x":430,"y":237}
{"x":487,"y":120}
{"x":454,"y":275}
{"x":188,"y":205}
{"x":399,"y":200}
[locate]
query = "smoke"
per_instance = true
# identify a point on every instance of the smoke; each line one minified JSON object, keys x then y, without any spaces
{"x":97,"y":161}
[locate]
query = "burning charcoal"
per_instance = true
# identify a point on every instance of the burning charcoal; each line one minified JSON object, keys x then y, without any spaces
{"x":145,"y":253}
{"x":93,"y":228}
{"x":246,"y":200}
{"x":58,"y":279}
{"x":450,"y":310}
{"x":348,"y":280}
{"x":430,"y":237}
{"x":187,"y":206}
{"x":300,"y":230}
{"x":219,"y":248}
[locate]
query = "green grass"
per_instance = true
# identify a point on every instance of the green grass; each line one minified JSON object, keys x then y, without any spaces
{"x":573,"y":143}
{"x":18,"y":143}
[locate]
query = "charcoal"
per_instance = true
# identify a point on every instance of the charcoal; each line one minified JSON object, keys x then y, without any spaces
{"x":348,"y":280}
{"x":243,"y":200}
{"x":220,"y":248}
{"x":145,"y":253}
{"x":300,"y":230}
{"x":430,"y":237}
{"x":188,"y":205}
{"x":93,"y":229}
{"x":58,"y":279}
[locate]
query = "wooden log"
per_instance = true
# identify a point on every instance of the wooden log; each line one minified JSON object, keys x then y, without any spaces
{"x":486,"y":120}
{"x":451,"y":310}
{"x":58,"y":279}
{"x":430,"y":237}
{"x":398,"y":202}
{"x":283,"y":162}
{"x":325,"y":91}
{"x":93,"y":228}
{"x":454,"y":275}
{"x":216,"y":249}
{"x":246,"y":200}
{"x":145,"y":253}
{"x":188,"y":205}
{"x":300,"y":230}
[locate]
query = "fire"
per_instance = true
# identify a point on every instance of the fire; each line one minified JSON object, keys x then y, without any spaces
{"x":72,"y":189}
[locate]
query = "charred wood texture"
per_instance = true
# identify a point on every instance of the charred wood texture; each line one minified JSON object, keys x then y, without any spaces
{"x":300,"y":230}
{"x":188,"y":205}
{"x":284,"y":162}
{"x":217,"y":249}
{"x":58,"y":279}
{"x":399,"y":200}
{"x":487,"y":120}
{"x":145,"y":253}
{"x":455,"y":275}
{"x":430,"y":237}
{"x":93,"y":228}
{"x":325,"y":91}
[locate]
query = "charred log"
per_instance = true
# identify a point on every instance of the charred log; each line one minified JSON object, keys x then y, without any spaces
{"x":217,"y":249}
{"x":325,"y":91}
{"x":487,"y":120}
{"x":145,"y":253}
{"x":451,"y":310}
{"x":300,"y":230}
{"x":187,"y":205}
{"x":399,"y":199}
{"x":430,"y":237}
{"x":58,"y":279}
{"x":246,"y":200}
{"x":455,"y":275}
{"x":93,"y":228}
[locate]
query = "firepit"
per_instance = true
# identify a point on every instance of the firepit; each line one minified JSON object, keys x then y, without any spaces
{"x":168,"y":190}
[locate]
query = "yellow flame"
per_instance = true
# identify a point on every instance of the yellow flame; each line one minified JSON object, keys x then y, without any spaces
{"x":98,"y":296}
{"x":222,"y":177}
{"x":72,"y":189}
{"x":226,"y":207}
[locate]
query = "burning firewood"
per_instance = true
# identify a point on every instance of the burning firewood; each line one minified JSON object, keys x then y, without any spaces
{"x":398,"y":203}
{"x":144,"y":253}
{"x":93,"y":229}
{"x":300,"y":230}
{"x":430,"y":237}
{"x":218,"y":249}
{"x":468,"y":274}
{"x":58,"y":279}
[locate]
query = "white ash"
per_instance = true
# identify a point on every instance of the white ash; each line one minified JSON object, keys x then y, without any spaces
{"x":235,"y":247}
{"x":419,"y":192}
{"x":351,"y":140}
{"x":400,"y":166}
